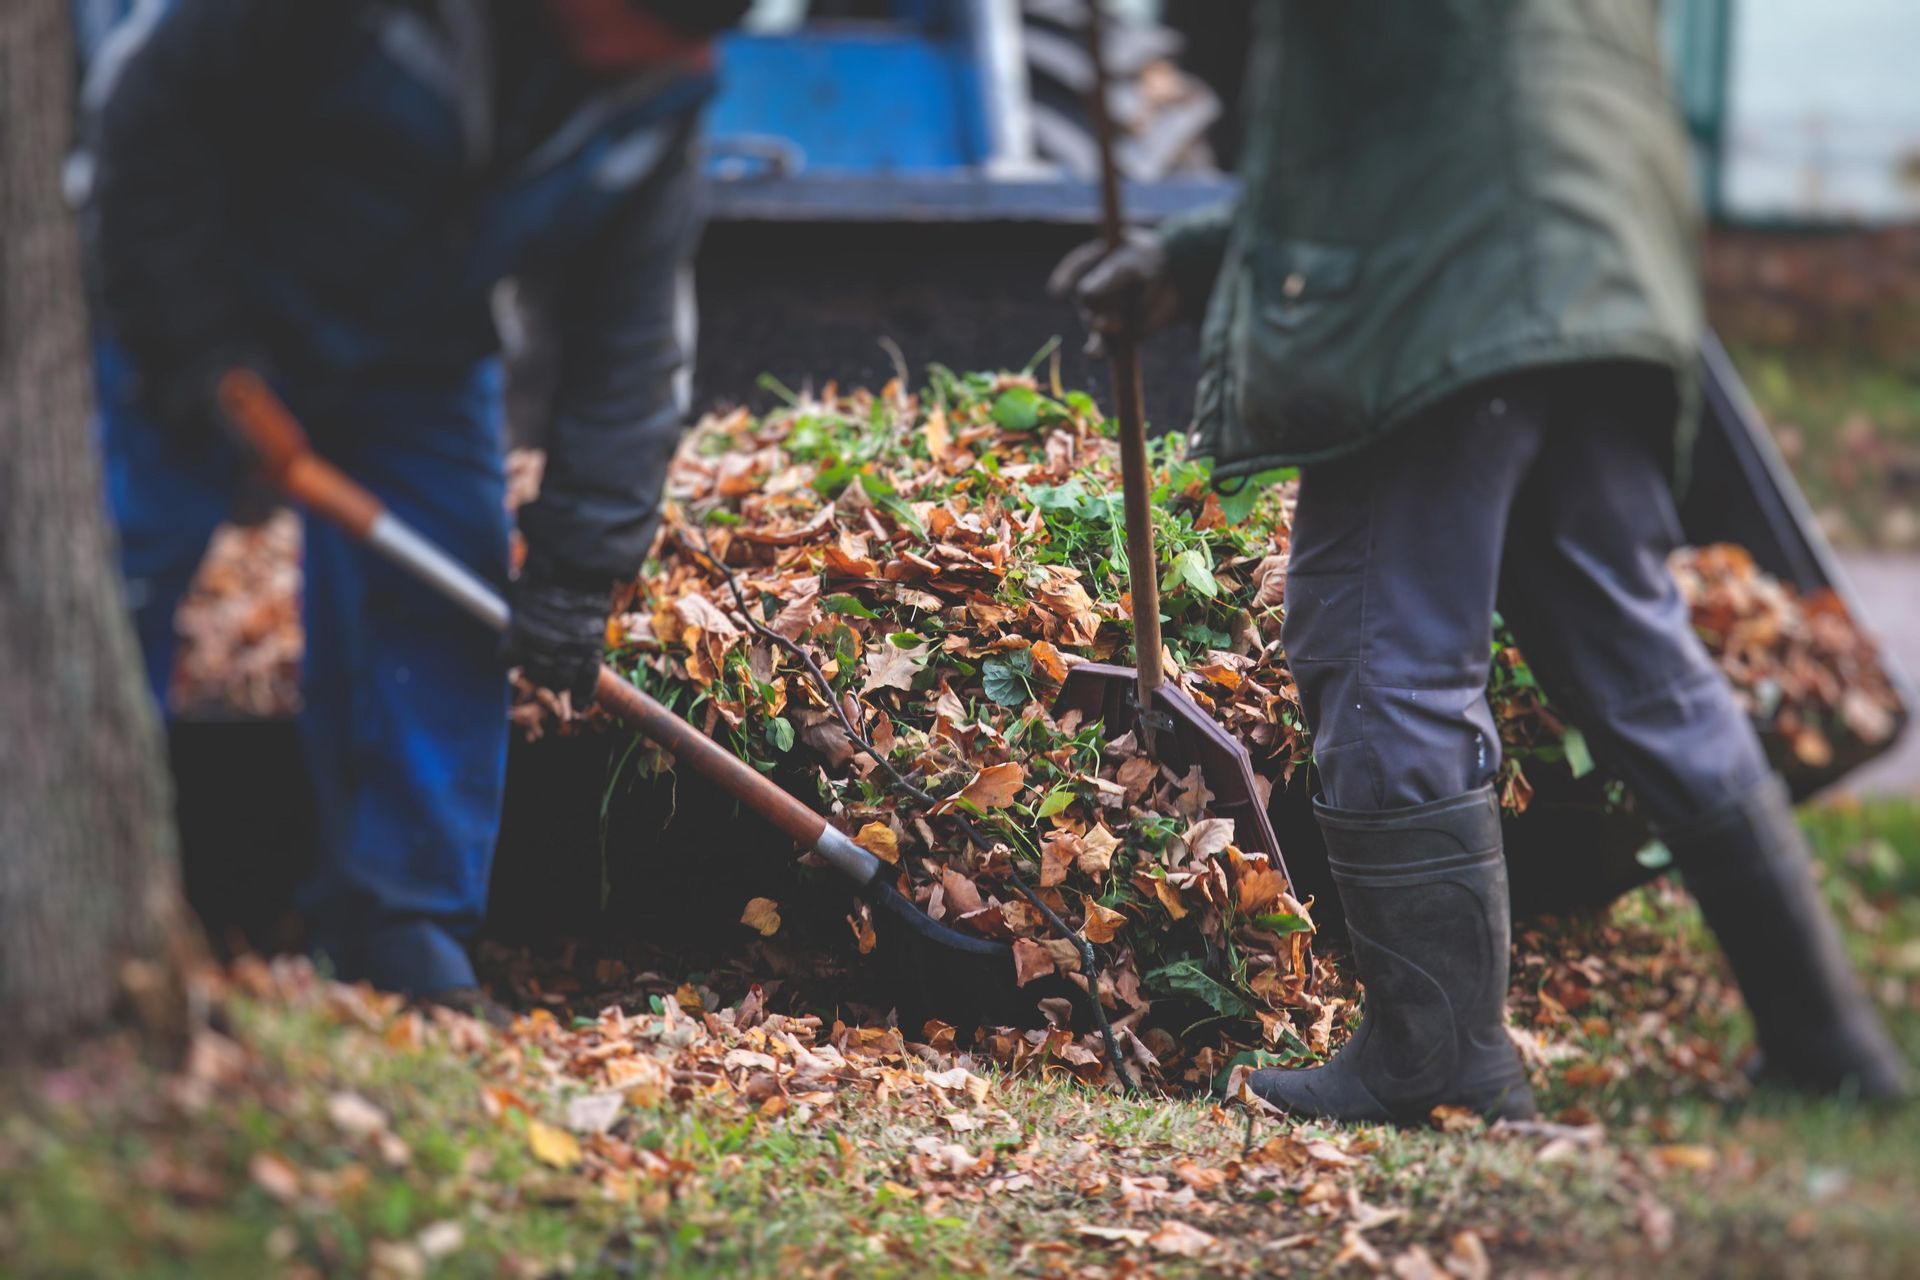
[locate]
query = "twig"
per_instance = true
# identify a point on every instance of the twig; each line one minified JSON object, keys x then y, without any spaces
{"x":1089,"y":959}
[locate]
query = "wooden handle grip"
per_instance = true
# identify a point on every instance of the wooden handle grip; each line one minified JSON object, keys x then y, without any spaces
{"x":708,"y":758}
{"x":267,"y":427}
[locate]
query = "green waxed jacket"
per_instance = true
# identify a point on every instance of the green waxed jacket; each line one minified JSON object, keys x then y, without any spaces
{"x":1434,"y":192}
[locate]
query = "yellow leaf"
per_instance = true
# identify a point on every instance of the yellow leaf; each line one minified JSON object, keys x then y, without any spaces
{"x":1169,"y":898}
{"x":762,"y":914}
{"x":878,"y":839}
{"x":553,"y":1146}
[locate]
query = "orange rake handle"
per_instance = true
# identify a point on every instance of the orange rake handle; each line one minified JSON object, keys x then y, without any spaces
{"x":269,"y":428}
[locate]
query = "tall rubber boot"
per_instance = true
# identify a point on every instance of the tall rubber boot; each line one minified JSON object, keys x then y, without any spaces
{"x":1425,"y":893}
{"x":1748,"y":867}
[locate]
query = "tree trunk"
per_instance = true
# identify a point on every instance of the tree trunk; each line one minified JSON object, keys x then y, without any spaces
{"x":92,"y":926}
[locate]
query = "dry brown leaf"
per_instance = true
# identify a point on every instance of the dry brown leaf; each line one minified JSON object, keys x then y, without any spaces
{"x":274,"y":1175}
{"x":861,"y":922}
{"x":1103,"y":924}
{"x":1058,"y":852}
{"x":1096,"y":851}
{"x":354,"y":1116}
{"x":1208,"y":837}
{"x":762,"y":914}
{"x":994,"y":787}
{"x":1030,"y":960}
{"x":1686,"y":1157}
{"x":1175,"y":1239}
{"x":891,"y":667}
{"x":963,"y":896}
{"x":1169,"y":898}
{"x":938,"y":435}
{"x":1048,"y":662}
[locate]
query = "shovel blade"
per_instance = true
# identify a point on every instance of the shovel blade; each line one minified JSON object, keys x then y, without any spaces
{"x":1108,"y":692}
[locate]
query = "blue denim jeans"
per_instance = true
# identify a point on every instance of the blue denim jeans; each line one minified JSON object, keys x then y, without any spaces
{"x":404,"y":723}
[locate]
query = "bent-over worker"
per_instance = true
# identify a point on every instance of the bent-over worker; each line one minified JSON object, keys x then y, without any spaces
{"x":328,"y":192}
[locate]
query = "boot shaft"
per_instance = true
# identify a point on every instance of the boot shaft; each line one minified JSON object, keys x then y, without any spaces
{"x":1432,"y":879}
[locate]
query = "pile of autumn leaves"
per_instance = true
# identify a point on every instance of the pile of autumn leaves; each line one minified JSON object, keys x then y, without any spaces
{"x":943,"y":559}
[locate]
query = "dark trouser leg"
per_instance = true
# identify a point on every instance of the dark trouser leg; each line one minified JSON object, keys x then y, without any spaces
{"x":1389,"y":633}
{"x":165,"y":501}
{"x":406,"y":699}
{"x":1590,"y":600}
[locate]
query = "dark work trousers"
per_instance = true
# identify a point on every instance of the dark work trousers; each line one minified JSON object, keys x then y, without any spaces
{"x":1547,"y":496}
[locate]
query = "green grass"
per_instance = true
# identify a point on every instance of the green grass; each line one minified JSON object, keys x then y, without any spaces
{"x":1849,"y":423}
{"x":107,"y":1169}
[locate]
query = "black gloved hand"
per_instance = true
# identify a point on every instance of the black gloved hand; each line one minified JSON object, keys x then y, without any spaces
{"x":183,"y":400}
{"x":557,"y":633}
{"x":1128,"y":290}
{"x":183,"y":397}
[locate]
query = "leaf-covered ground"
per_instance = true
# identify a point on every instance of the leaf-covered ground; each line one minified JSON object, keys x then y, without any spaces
{"x":319,"y":1130}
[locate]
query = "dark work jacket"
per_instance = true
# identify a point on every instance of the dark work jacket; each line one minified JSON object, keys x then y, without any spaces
{"x":339,"y":185}
{"x":1435,"y":192}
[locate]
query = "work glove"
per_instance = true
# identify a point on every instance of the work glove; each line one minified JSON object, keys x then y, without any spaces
{"x":1126,"y":291}
{"x":183,"y":400}
{"x":557,"y":633}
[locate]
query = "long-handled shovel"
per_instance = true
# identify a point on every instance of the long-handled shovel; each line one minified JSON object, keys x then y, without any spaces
{"x":1170,"y":726}
{"x":964,"y":978}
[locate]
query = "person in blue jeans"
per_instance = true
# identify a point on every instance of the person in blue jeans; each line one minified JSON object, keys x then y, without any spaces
{"x":328,"y":192}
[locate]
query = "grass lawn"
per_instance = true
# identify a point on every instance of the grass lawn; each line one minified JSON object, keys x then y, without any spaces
{"x":323,"y":1131}
{"x":1849,"y":423}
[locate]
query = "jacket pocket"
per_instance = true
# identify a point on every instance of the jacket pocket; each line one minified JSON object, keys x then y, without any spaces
{"x":1293,"y":279}
{"x":1296,"y":395}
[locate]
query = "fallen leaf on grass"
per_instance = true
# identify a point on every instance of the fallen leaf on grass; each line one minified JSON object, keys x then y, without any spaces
{"x":1415,"y":1264}
{"x":275,"y":1176}
{"x":1198,"y":1177}
{"x":551,"y":1146}
{"x":1467,"y":1257}
{"x":1129,"y":1236}
{"x":1456,"y":1119}
{"x":440,"y":1240}
{"x":1354,"y":1248}
{"x":1178,"y":1240}
{"x":354,"y":1115}
{"x":1686,"y":1157}
{"x":594,"y":1112}
{"x":762,"y":914}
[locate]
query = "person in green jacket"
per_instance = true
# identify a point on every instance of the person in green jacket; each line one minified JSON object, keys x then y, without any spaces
{"x":1458,"y":291}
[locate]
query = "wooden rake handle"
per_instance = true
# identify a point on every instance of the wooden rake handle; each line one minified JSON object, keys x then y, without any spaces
{"x":287,"y":458}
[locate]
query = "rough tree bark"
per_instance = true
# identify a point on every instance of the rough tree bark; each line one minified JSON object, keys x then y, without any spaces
{"x":92,"y":926}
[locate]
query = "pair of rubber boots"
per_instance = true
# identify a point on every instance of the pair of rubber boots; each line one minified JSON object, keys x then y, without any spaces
{"x":1425,"y":893}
